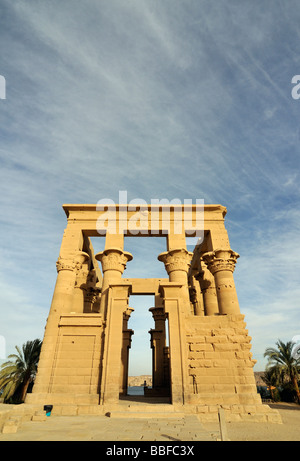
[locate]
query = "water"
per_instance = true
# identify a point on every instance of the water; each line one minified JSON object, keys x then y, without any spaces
{"x":135,"y":390}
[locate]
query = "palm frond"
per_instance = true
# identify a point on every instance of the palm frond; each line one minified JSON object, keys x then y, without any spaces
{"x":21,"y":369}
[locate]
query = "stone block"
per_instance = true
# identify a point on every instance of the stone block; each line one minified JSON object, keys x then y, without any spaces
{"x":202,"y":409}
{"x":224,"y":388}
{"x":216,"y":339}
{"x":10,"y":428}
{"x":201,"y":347}
{"x":274,"y":418}
{"x":246,"y":389}
{"x":69,"y":410}
{"x":221,"y":363}
{"x":255,"y":418}
{"x":39,"y":418}
{"x":230,"y":399}
{"x":225,"y":347}
{"x":249,"y":399}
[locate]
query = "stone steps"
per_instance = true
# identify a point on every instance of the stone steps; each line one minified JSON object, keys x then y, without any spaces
{"x":142,"y":410}
{"x":144,"y":414}
{"x":15,"y":415}
{"x":12,"y":424}
{"x":159,"y":408}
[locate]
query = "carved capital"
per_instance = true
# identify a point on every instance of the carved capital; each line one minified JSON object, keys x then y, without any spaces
{"x":63,"y":264}
{"x":205,"y":277}
{"x":176,"y":260}
{"x":220,"y":260}
{"x":91,"y":296}
{"x":80,"y":258}
{"x":114,"y":259}
{"x":193,"y":295}
{"x":158,"y":313}
{"x":127,"y":313}
{"x":71,"y":264}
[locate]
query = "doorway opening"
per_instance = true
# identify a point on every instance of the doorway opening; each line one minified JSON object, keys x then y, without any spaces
{"x":140,"y":353}
{"x":148,"y":356}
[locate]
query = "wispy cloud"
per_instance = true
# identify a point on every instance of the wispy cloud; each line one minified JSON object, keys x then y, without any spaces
{"x":164,"y":100}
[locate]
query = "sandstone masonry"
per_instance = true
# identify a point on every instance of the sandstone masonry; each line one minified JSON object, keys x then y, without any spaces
{"x":207,"y":364}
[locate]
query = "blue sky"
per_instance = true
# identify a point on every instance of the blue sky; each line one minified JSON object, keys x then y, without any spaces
{"x":185,"y":99}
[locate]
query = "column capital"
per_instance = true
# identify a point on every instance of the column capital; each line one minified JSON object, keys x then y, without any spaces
{"x":127,"y":313}
{"x":91,"y":295}
{"x":176,"y":260}
{"x":204,"y":276}
{"x":220,"y":260}
{"x":72,"y":263}
{"x":114,"y":259}
{"x":158,"y":313}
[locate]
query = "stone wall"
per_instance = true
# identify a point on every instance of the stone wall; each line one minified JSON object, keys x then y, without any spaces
{"x":220,"y":368}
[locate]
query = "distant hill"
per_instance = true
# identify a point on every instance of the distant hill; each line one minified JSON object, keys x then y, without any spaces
{"x":258,"y":379}
{"x":139,"y":380}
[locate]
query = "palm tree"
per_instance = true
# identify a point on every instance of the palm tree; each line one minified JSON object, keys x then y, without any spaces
{"x":282,"y":364}
{"x":271,"y":380}
{"x":17,"y":374}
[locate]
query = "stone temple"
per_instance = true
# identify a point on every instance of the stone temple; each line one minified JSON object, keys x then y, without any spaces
{"x":207,"y":364}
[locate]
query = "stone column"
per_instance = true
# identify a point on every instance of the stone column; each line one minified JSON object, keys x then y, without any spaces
{"x":221,"y":263}
{"x":92,"y":300}
{"x":167,"y":367}
{"x":177,"y":263}
{"x":113,"y":262}
{"x":158,"y":343}
{"x":208,"y":288}
{"x":196,"y":296}
{"x":127,"y":333}
{"x":179,"y":387}
{"x":92,"y":293}
{"x":111,"y":370}
{"x":80,"y":287}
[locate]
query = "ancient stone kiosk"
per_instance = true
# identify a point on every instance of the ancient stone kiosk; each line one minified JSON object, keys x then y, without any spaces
{"x":207,"y":364}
